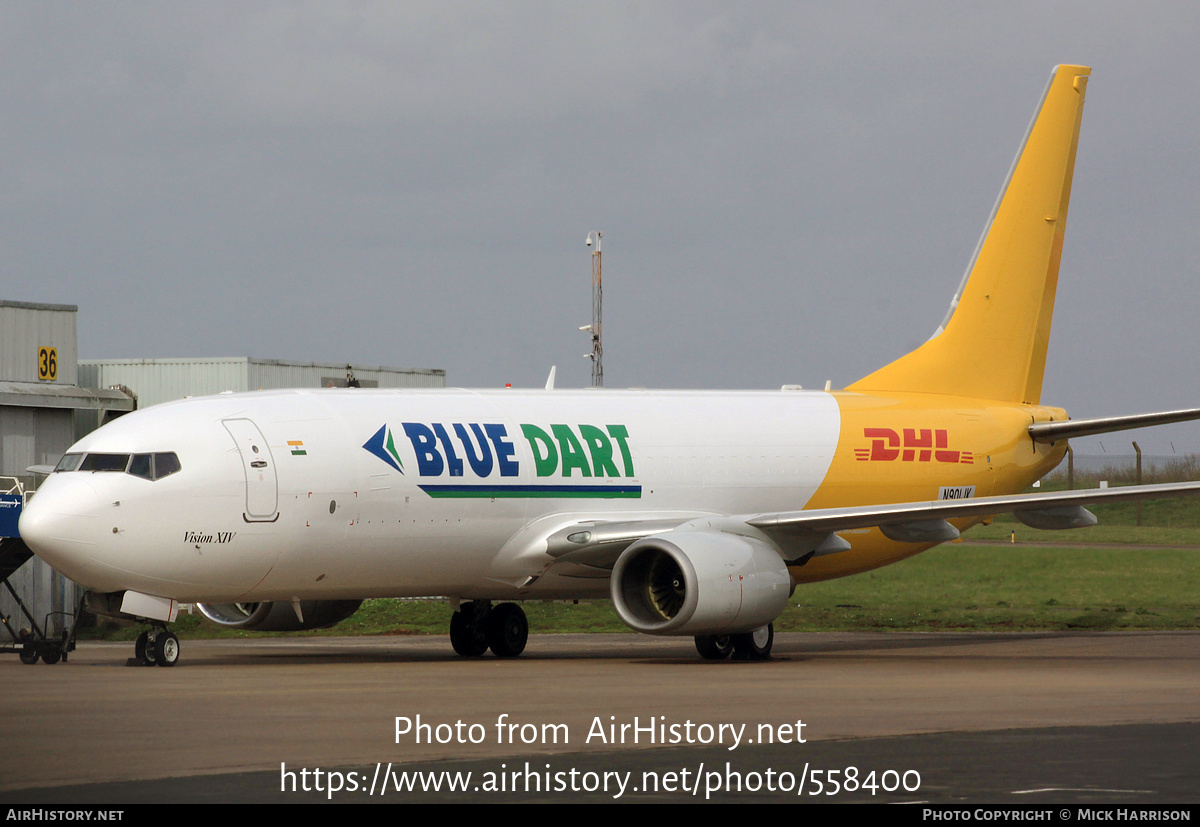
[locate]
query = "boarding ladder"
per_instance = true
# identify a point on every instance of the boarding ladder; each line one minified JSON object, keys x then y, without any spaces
{"x":30,"y":642}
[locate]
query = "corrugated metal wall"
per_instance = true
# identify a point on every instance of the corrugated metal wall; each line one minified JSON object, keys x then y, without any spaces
{"x":32,"y":436}
{"x":26,"y":327}
{"x":270,"y":373}
{"x":162,"y":380}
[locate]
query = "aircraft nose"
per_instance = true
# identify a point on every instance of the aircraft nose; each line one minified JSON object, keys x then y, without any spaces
{"x":61,"y":525}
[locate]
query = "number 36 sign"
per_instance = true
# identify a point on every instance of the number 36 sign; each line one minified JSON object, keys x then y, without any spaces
{"x":47,"y":363}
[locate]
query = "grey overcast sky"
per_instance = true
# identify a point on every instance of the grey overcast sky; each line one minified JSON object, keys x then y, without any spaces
{"x":789,"y":192}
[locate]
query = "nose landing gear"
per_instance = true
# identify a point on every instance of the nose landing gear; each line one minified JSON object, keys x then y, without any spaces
{"x":158,"y":646}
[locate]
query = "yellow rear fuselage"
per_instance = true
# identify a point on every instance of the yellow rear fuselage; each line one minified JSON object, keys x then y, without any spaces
{"x":909,"y":447}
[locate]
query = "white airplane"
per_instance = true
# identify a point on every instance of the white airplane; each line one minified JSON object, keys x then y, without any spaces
{"x":698,"y":512}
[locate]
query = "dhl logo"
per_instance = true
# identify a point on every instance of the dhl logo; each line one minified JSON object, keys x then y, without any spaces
{"x":918,"y":445}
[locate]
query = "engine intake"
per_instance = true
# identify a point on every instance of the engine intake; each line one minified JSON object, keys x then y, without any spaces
{"x":699,"y":583}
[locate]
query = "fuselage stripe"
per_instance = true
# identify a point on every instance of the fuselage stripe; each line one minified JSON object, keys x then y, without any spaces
{"x":535,"y":491}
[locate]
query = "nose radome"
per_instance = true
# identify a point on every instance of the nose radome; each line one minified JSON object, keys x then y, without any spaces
{"x":60,"y":524}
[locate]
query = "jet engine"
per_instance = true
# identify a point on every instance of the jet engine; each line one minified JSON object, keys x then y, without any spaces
{"x":279,"y":617}
{"x":699,"y":583}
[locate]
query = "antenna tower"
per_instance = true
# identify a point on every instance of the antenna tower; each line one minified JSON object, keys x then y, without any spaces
{"x":597,"y":354}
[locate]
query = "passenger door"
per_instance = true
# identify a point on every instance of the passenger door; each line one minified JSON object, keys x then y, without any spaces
{"x":262,"y":487}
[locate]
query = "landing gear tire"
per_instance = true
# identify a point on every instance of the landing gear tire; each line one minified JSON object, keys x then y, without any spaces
{"x":507,"y":630}
{"x":51,"y":658}
{"x":755,"y":645}
{"x":143,"y":649}
{"x":29,"y":656}
{"x":714,"y":647}
{"x":166,"y":649}
{"x":466,"y":636}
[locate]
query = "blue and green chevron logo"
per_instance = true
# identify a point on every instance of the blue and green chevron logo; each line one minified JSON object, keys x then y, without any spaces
{"x":383,"y":446}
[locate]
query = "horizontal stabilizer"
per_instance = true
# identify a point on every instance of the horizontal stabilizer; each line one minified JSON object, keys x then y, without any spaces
{"x":1054,"y":431}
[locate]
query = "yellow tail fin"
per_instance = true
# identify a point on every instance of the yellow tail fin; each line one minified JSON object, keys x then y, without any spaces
{"x":992,"y":344}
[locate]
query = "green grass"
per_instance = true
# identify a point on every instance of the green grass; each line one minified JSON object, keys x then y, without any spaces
{"x":962,"y":586}
{"x":1176,"y":512}
{"x":1146,"y":535}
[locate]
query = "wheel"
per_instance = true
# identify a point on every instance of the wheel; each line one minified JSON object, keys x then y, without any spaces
{"x":51,"y":658}
{"x":143,"y":649}
{"x":507,"y":630}
{"x":466,"y":637}
{"x":166,"y":649}
{"x":29,"y":656}
{"x":755,"y":645}
{"x":714,"y":647}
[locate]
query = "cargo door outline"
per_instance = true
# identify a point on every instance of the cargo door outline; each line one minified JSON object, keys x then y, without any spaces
{"x":262,"y":485}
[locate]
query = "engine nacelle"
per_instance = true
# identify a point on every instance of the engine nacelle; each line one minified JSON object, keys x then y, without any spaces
{"x":279,"y":617}
{"x":699,"y":583}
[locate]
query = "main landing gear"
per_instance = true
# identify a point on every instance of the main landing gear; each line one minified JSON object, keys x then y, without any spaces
{"x":476,"y":627}
{"x":754,"y":645}
{"x":158,"y":646}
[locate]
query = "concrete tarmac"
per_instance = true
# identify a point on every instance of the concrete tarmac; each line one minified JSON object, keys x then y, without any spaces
{"x":1082,"y":716}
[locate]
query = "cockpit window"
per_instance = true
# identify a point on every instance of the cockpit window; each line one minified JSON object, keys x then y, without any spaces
{"x":69,"y":462}
{"x":146,"y":466}
{"x":165,"y":464}
{"x":105,"y":462}
{"x":142,"y":466}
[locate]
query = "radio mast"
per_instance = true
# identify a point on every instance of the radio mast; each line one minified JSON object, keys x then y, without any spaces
{"x":596,"y":327}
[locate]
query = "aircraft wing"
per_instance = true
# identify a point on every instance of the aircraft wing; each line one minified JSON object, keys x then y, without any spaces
{"x":600,"y":544}
{"x":826,"y":520}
